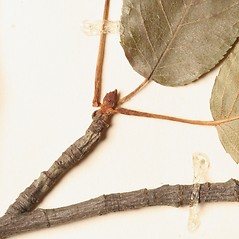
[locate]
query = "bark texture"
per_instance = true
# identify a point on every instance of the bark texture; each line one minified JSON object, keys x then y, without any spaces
{"x":167,"y":195}
{"x":33,"y":194}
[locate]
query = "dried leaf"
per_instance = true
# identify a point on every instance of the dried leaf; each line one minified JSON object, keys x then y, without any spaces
{"x":225,"y":103}
{"x":175,"y":42}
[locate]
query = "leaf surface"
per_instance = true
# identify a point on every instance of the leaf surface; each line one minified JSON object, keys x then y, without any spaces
{"x":174,"y":42}
{"x":224,"y":103}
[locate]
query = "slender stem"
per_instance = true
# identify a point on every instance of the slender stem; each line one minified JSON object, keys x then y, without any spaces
{"x":167,"y":195}
{"x":172,"y":118}
{"x":134,"y":92}
{"x":100,"y":58}
{"x":34,"y":194}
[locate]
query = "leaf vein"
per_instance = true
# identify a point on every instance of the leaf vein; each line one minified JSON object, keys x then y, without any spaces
{"x":136,"y":44}
{"x":224,"y":93}
{"x":165,"y":15}
{"x":147,"y":34}
{"x":233,"y":146}
{"x":171,"y":41}
{"x":173,"y":64}
{"x":228,"y":83}
{"x":212,"y":16}
{"x":233,"y":104}
{"x":221,"y":100}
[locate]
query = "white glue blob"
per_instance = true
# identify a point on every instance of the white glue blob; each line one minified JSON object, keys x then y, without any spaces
{"x":200,"y":167}
{"x":94,"y":28}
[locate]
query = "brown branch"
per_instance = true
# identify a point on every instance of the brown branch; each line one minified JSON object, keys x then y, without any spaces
{"x":32,"y":195}
{"x":172,"y":118}
{"x":175,"y":196}
{"x":100,"y":58}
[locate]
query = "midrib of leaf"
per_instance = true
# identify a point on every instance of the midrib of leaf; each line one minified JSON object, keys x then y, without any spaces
{"x":180,"y":25}
{"x":172,"y":39}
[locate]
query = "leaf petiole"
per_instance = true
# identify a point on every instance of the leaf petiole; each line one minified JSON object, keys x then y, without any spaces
{"x":125,"y":111}
{"x":134,"y":92}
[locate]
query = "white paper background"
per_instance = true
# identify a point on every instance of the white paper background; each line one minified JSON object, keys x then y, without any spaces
{"x":46,"y":86}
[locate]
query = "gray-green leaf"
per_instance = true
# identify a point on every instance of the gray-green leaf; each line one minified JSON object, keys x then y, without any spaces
{"x":174,"y":42}
{"x":225,"y":103}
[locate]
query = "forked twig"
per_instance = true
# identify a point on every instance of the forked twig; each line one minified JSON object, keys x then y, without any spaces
{"x":175,"y":196}
{"x":21,"y":217}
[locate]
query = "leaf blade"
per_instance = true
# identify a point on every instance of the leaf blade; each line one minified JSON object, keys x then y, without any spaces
{"x":163,"y":40}
{"x":224,"y":103}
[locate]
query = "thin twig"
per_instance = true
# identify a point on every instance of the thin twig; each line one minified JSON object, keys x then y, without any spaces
{"x":172,"y":118}
{"x":175,"y":196}
{"x":100,"y":58}
{"x":134,"y":92}
{"x":32,"y":195}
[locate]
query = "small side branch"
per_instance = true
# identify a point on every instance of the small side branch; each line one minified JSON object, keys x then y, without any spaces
{"x":100,"y":58}
{"x":175,"y":196}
